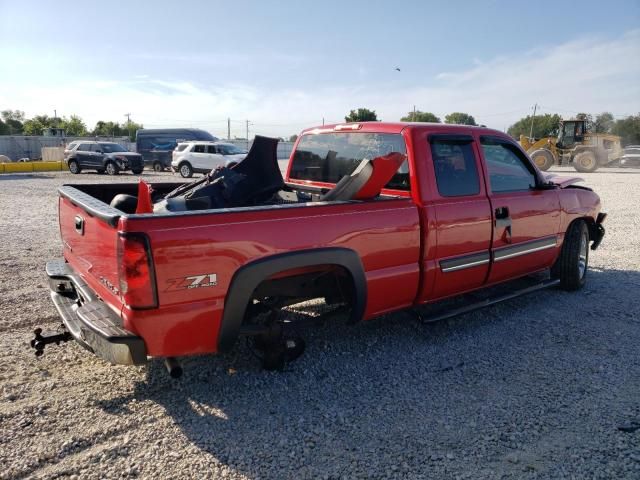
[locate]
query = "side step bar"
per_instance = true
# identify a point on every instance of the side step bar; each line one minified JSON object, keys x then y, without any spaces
{"x":486,"y":302}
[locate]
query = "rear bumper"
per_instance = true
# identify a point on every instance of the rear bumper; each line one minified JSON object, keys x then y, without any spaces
{"x":91,"y":323}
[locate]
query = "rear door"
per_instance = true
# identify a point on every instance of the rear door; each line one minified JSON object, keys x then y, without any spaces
{"x":526,"y":220}
{"x":215,"y":157}
{"x":461,"y":215}
{"x":83,"y":155}
{"x":198,"y":157}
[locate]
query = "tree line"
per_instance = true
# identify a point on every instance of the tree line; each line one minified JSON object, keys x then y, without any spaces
{"x":546,"y":125}
{"x":14,"y":122}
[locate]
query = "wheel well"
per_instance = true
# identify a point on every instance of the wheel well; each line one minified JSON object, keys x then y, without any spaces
{"x":331,"y":272}
{"x":334,"y":283}
{"x":591,"y":226}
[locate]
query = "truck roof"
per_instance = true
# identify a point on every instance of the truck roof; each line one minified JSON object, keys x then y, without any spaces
{"x":397,"y":127}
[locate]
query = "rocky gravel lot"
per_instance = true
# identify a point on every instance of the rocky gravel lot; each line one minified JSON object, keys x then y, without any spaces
{"x":544,"y":386}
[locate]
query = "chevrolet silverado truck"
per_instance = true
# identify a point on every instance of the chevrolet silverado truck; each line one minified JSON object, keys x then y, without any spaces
{"x":373,"y":217}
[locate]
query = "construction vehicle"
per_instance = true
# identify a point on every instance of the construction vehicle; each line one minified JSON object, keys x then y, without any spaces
{"x":574,"y":146}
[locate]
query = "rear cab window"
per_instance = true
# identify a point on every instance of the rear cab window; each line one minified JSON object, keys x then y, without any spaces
{"x":455,"y":167}
{"x":327,"y":157}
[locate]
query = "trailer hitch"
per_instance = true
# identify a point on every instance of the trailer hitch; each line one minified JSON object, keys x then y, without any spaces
{"x":40,"y":341}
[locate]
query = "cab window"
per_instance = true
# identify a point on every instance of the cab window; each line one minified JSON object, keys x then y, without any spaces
{"x":509,"y":170}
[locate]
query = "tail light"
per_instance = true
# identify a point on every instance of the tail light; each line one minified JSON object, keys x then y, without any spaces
{"x":135,"y":271}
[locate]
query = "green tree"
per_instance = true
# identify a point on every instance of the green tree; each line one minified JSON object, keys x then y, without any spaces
{"x":293,"y":138}
{"x":361,"y":115}
{"x":37,"y":124}
{"x":629,"y":129}
{"x":460,"y":118}
{"x":419,"y":116}
{"x":73,"y":126}
{"x":114,"y":129}
{"x":603,"y":123}
{"x":13,"y":121}
{"x":4,"y":128}
{"x":546,"y":125}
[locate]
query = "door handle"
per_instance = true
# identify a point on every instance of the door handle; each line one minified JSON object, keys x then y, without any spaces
{"x":503,"y":220}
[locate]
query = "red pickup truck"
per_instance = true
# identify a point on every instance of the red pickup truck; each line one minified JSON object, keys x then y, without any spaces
{"x":465,"y":209}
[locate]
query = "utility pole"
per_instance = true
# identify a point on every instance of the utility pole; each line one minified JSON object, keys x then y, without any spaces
{"x":414,"y":114}
{"x":228,"y":128}
{"x":323,"y":121}
{"x":535,"y":107}
{"x":247,"y":134}
{"x":55,"y":116}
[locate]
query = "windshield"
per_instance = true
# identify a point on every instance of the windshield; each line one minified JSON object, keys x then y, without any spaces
{"x":112,"y":148}
{"x":229,"y":149}
{"x":329,"y":157}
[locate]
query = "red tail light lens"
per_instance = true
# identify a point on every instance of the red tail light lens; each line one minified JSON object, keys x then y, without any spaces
{"x":136,"y":272}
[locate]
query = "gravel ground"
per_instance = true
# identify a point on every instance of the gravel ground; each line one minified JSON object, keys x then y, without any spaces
{"x":542,"y":386}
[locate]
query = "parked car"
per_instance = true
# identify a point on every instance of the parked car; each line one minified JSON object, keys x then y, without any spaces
{"x":631,"y":156}
{"x":202,"y":157}
{"x":102,"y":157}
{"x":373,"y":217}
{"x":156,"y":144}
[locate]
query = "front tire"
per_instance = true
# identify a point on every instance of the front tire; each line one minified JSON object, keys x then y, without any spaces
{"x":585,"y":162}
{"x":186,"y":170}
{"x":111,"y":168}
{"x":158,"y":167}
{"x":74,"y":167}
{"x":572,"y":264}
{"x":543,"y":159}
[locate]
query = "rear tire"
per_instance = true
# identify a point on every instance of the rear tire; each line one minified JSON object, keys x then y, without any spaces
{"x":543,"y":159}
{"x":137,"y":171}
{"x":585,"y":162}
{"x":186,"y":170}
{"x":158,"y":167}
{"x":572,"y":264}
{"x":74,"y":167}
{"x":111,"y":168}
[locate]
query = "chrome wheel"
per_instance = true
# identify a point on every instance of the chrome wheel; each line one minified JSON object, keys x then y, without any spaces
{"x":111,"y":168}
{"x":185,"y":170}
{"x":583,"y":255}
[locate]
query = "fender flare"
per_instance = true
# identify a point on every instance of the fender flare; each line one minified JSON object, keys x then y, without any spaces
{"x":249,"y":276}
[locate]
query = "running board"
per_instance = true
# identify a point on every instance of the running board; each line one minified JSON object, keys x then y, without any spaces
{"x":486,"y":302}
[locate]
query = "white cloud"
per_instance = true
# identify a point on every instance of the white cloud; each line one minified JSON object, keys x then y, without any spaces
{"x":589,"y":74}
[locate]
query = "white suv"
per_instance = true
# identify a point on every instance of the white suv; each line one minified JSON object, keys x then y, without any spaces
{"x":202,"y":157}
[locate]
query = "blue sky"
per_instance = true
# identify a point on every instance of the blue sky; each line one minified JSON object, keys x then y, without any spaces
{"x":287,"y":65}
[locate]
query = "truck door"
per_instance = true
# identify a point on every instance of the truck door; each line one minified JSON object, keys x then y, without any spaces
{"x":526,"y":220}
{"x":462,"y":216}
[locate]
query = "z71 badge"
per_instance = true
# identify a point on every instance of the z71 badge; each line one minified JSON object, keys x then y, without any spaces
{"x":193,"y":281}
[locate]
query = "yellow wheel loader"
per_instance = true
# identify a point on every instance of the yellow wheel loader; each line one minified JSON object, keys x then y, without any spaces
{"x":574,"y":146}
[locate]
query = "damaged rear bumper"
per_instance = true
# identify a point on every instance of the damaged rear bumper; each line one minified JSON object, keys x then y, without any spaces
{"x":91,"y":323}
